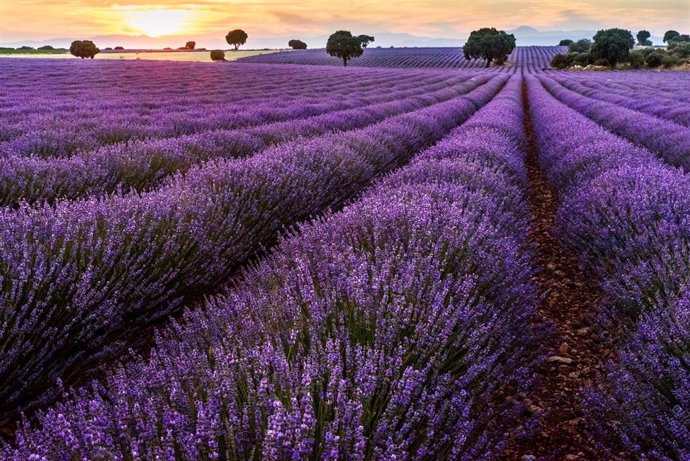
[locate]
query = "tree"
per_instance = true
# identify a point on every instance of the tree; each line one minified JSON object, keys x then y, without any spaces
{"x":490,"y":44}
{"x":342,"y":44}
{"x":613,"y":45}
{"x":190,"y":45}
{"x":643,"y":38}
{"x":670,"y":35}
{"x":365,"y":39}
{"x":297,"y":44}
{"x":84,"y":49}
{"x":217,"y":55}
{"x":236,"y":38}
{"x":46,"y":48}
{"x":565,"y":42}
{"x":119,"y":48}
{"x":581,"y":46}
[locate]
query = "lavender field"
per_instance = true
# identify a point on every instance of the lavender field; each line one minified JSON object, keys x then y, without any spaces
{"x":414,"y":258}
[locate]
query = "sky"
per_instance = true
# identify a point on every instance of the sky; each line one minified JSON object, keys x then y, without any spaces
{"x":269,"y":22}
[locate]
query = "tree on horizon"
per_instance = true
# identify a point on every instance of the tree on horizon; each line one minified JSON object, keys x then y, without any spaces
{"x":236,"y":38}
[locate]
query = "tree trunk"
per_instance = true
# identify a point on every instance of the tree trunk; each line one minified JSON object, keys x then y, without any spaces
{"x":488,"y":62}
{"x":237,"y":47}
{"x":344,"y":61}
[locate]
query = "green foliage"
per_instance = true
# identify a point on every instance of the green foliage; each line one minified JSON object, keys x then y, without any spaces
{"x":236,"y":38}
{"x":670,"y":35}
{"x":560,"y":61}
{"x":217,"y":55}
{"x":602,"y":62}
{"x":565,"y":42}
{"x":342,"y":44}
{"x":84,"y":49}
{"x":580,"y":59}
{"x":490,"y":44}
{"x":637,"y":59}
{"x":654,"y":59}
{"x":670,"y":60}
{"x":681,"y":50}
{"x":678,"y":40}
{"x":612,"y":45}
{"x":45,"y":48}
{"x":643,"y":38}
{"x":190,"y":45}
{"x":297,"y":45}
{"x":581,"y":46}
{"x":25,"y":48}
{"x":365,"y":39}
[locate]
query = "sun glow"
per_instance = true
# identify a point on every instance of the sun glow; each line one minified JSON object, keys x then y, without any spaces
{"x":156,"y":23}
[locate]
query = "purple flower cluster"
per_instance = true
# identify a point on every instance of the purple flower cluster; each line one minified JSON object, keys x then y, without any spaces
{"x":391,"y":330}
{"x":537,"y":57}
{"x":667,"y":139}
{"x":651,"y":93}
{"x":141,"y":165}
{"x":75,"y":273}
{"x":626,"y":213}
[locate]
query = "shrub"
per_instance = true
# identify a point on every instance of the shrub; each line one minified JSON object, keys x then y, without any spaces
{"x":637,"y":59}
{"x":560,"y":61}
{"x":190,"y":45}
{"x":602,"y":62}
{"x":297,"y":45}
{"x":670,"y":60}
{"x":681,"y":50}
{"x":217,"y":55}
{"x":46,"y":48}
{"x":654,"y":59}
{"x":84,"y":49}
{"x":580,"y":59}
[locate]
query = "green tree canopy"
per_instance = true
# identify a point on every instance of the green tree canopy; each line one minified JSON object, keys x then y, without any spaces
{"x":490,"y":44}
{"x":342,"y":44}
{"x":670,"y":35}
{"x":565,"y":42}
{"x":365,"y":39}
{"x":643,"y":38}
{"x":581,"y":46}
{"x":297,"y":45}
{"x":612,"y":45}
{"x":84,"y":49}
{"x":236,"y":38}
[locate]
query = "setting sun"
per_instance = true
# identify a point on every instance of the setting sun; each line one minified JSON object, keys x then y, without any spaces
{"x":158,"y":22}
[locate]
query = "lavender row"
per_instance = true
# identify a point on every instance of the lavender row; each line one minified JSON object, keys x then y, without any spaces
{"x":668,"y":140}
{"x":62,"y":131}
{"x":144,"y":165}
{"x":27,"y":93}
{"x":669,"y":107}
{"x":390,"y":330}
{"x":626,"y":214}
{"x":421,"y":58}
{"x":77,"y":272}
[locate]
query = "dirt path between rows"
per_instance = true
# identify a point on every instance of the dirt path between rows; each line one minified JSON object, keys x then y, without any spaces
{"x":576,"y":348}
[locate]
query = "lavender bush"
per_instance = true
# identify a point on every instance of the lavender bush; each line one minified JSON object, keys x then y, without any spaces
{"x":625,"y":213}
{"x":76,"y":272}
{"x":393,"y":329}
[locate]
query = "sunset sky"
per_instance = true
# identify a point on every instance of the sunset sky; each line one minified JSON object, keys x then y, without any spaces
{"x":269,"y":21}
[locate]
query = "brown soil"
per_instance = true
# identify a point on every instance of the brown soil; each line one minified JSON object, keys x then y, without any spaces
{"x":577,"y":348}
